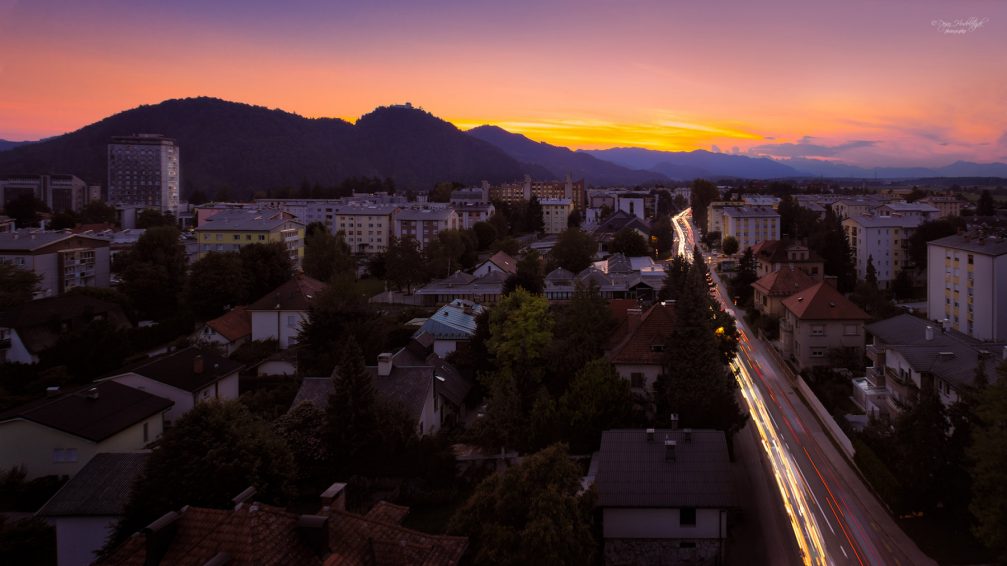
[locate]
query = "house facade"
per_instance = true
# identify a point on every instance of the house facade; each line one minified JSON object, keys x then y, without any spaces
{"x":229,"y":231}
{"x":883,"y":241}
{"x":967,"y":284}
{"x":228,"y":331}
{"x":771,"y":289}
{"x":818,"y":320}
{"x":279,"y":314}
{"x":636,"y":347}
{"x":63,"y":260}
{"x":59,"y":434}
{"x":750,"y":225}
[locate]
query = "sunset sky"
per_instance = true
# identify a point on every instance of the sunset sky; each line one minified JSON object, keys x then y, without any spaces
{"x":869,"y":82}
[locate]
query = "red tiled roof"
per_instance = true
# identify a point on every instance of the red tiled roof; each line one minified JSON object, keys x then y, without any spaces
{"x":361,"y":541}
{"x":619,"y":308}
{"x":234,"y":324}
{"x":784,"y":282}
{"x":505,"y":262}
{"x":775,"y":251}
{"x":387,"y":513}
{"x":294,"y":295}
{"x":638,"y":344}
{"x":823,"y":302}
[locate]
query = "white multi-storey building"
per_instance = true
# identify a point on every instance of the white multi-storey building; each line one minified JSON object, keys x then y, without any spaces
{"x":555,"y":214}
{"x":144,"y":170}
{"x":884,"y":240}
{"x":423,"y":224}
{"x":750,"y":225}
{"x":967,"y":285}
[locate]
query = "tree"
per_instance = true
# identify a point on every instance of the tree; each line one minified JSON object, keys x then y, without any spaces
{"x":17,"y":286}
{"x":29,"y":540}
{"x":529,"y":276}
{"x":741,"y":283}
{"x":442,"y":192}
{"x":266,"y":267}
{"x":351,"y":416}
{"x":531,"y":513}
{"x":485,"y":233}
{"x":575,"y":219}
{"x":151,"y":218}
{"x":450,"y":251}
{"x":828,"y":240}
{"x":507,"y":245}
{"x":928,"y":232}
{"x":629,"y":243}
{"x":88,"y":352}
{"x":730,"y":245}
{"x":675,"y":273}
{"x":63,"y":220}
{"x":583,"y":327}
{"x":988,"y":454}
{"x":573,"y":251}
{"x":986,"y":206}
{"x":198,"y":197}
{"x":25,"y":210}
{"x":97,"y":212}
{"x":921,"y":433}
{"x":533,"y":219}
{"x":404,"y":265}
{"x":340,"y":310}
{"x":326,"y":254}
{"x":703,"y":193}
{"x":216,"y":284}
{"x":662,"y":237}
{"x":597,"y":400}
{"x":155,"y":273}
{"x":204,"y":460}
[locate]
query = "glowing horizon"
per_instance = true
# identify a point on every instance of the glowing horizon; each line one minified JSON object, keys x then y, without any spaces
{"x":859,"y":82}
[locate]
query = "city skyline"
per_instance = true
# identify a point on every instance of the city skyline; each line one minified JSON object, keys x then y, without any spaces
{"x":866,"y":83}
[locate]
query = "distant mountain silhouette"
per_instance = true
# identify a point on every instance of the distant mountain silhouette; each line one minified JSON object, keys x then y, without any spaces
{"x":684,"y":165}
{"x":247,"y":148}
{"x":560,"y":161}
{"x":816,"y":167}
{"x":6,"y":144}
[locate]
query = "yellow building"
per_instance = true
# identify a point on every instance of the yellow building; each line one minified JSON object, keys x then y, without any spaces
{"x":229,"y":231}
{"x":366,"y":228}
{"x":555,"y":214}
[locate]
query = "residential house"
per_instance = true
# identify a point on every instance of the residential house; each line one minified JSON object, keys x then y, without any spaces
{"x":664,"y":496}
{"x":817,"y":320}
{"x":187,"y":377}
{"x":366,"y":228}
{"x":882,"y":241}
{"x":750,"y":225}
{"x":771,"y":289}
{"x":761,"y":200}
{"x":484,"y":289}
{"x":616,"y":222}
{"x":280,"y":313}
{"x":616,"y":277}
{"x":500,"y":262}
{"x":229,"y":231}
{"x":715,"y":215}
{"x":424,"y":224}
{"x":774,"y":255}
{"x":902,"y":208}
{"x":946,"y":205}
{"x":909,"y":355}
{"x":967,"y":284}
{"x":57,"y":435}
{"x":228,"y":331}
{"x":85,"y":511}
{"x":859,"y":206}
{"x":514,"y":193}
{"x":63,"y":260}
{"x":452,"y":325}
{"x":254,"y":534}
{"x":30,"y":329}
{"x":636,"y":347}
{"x":555,"y":214}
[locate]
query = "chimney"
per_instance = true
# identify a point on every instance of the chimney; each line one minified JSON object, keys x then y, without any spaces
{"x":831,"y":280}
{"x":669,"y":450}
{"x":92,"y":394}
{"x":335,"y":497}
{"x":197,"y":364}
{"x":687,"y":434}
{"x":945,"y":326}
{"x":159,"y":535}
{"x":243,"y":497}
{"x":313,"y":530}
{"x":650,"y":435}
{"x":634,"y":316}
{"x":929,"y":332}
{"x":384,"y":364}
{"x":674,"y":421}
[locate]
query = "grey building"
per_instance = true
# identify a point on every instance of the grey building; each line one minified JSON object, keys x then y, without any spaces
{"x":63,"y":260}
{"x":60,"y":192}
{"x":144,"y":170}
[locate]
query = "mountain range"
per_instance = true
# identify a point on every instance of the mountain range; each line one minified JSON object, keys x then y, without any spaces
{"x":247,"y":148}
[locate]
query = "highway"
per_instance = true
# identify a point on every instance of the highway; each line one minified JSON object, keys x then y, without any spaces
{"x":834,"y":516}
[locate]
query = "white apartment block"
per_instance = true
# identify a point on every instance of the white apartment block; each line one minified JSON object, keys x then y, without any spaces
{"x":715,"y":215}
{"x":858,"y":206}
{"x":946,"y":205}
{"x":882,"y":239}
{"x":556,"y":214}
{"x":367,"y":229}
{"x":967,"y":285}
{"x":423,"y":224}
{"x":61,"y":259}
{"x":921,"y":209}
{"x":144,"y":170}
{"x":750,"y":225}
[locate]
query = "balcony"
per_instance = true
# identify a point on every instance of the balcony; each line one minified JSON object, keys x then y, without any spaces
{"x":893,"y":376}
{"x":876,"y":376}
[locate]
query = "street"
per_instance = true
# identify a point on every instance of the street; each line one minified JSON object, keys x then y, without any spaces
{"x":835,"y":518}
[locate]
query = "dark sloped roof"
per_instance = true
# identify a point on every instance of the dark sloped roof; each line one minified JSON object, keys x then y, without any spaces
{"x":101,"y":488}
{"x":636,"y":345}
{"x":177,"y":369}
{"x":775,"y":251}
{"x":823,"y":302}
{"x":294,"y":295}
{"x":621,"y":219}
{"x":784,"y":282}
{"x":633,"y":472}
{"x":314,"y":390}
{"x":116,"y":408}
{"x":504,"y":261}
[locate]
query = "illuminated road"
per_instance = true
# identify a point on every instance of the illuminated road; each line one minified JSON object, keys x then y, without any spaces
{"x":834,"y":517}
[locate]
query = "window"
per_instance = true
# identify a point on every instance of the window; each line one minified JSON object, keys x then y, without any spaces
{"x":292,"y":321}
{"x":971,"y":259}
{"x":687,"y":516}
{"x":63,"y":455}
{"x":636,"y":380}
{"x":262,"y":237}
{"x":818,"y":330}
{"x":850,"y":330}
{"x":818,"y":352}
